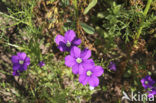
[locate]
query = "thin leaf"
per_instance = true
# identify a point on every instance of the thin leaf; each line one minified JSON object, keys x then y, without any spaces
{"x":88,"y":29}
{"x":91,"y":5}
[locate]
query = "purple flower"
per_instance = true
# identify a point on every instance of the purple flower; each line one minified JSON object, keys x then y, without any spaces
{"x":147,"y":82}
{"x":112,"y":66}
{"x":78,"y":59}
{"x":152,"y":92}
{"x":20,"y":63}
{"x":90,"y":75}
{"x":66,"y":42}
{"x":41,"y":64}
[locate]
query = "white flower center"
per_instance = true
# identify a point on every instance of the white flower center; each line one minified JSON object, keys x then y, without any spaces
{"x":21,"y":61}
{"x":89,"y":73}
{"x":68,"y":44}
{"x":146,"y":82}
{"x":149,"y":89}
{"x":78,"y":60}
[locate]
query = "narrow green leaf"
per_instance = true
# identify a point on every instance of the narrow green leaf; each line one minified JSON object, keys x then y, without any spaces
{"x":91,"y":5}
{"x":88,"y":29}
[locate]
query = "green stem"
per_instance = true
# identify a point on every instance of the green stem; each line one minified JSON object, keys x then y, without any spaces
{"x":141,"y":26}
{"x":76,"y":9}
{"x":147,"y":7}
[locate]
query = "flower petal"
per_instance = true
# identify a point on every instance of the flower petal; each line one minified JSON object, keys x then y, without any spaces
{"x":98,"y":71}
{"x":69,"y":61}
{"x":15,"y":59}
{"x":83,"y":79}
{"x":70,"y":35}
{"x":16,"y":67}
{"x":24,"y":67}
{"x":41,"y":64}
{"x":76,"y":41}
{"x":87,"y":64}
{"x":62,"y":46}
{"x":15,"y":73}
{"x":21,"y":55}
{"x":75,"y":68}
{"x":152,"y":92}
{"x":86,"y":53}
{"x":58,"y":39}
{"x":75,"y":52}
{"x":27,"y":61}
{"x":93,"y":81}
{"x":81,"y":69}
{"x":112,"y":66}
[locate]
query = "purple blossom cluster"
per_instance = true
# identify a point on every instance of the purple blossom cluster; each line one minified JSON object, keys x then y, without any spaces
{"x":150,"y":85}
{"x":78,"y":60}
{"x":41,"y":64}
{"x":21,"y":62}
{"x":112,"y":66}
{"x":66,"y":42}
